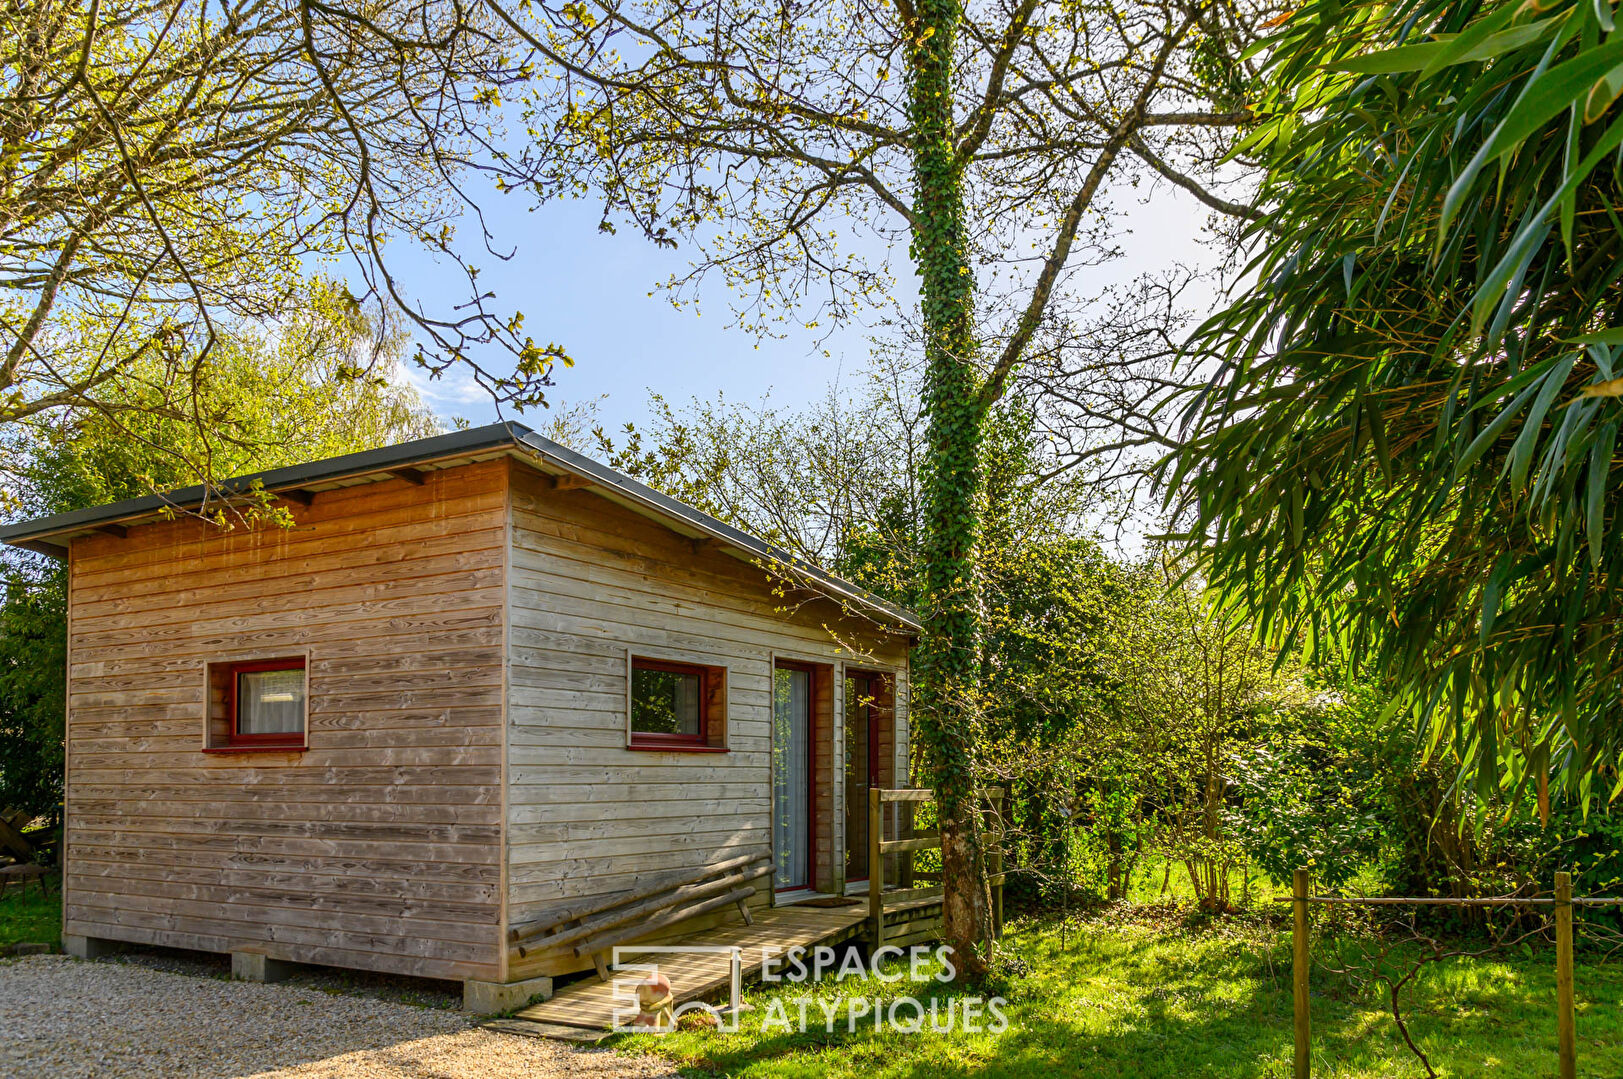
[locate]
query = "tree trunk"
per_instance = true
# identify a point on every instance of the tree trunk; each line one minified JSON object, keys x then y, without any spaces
{"x":1113,"y":870}
{"x":947,"y":678}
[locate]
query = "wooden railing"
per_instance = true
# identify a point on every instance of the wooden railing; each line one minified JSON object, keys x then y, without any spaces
{"x":595,"y":925}
{"x":881,"y":902}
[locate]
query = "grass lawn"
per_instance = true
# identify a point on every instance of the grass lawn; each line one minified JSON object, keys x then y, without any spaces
{"x":1147,"y":995}
{"x":27,"y":916}
{"x":1139,"y":992}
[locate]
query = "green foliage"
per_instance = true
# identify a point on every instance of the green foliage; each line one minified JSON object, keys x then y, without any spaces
{"x":1588,"y":845}
{"x":170,"y":170}
{"x":1406,"y":453}
{"x":1310,"y":795}
{"x":946,"y":682}
{"x":33,"y":689}
{"x":30,"y":916}
{"x":1190,"y":692}
{"x":267,"y":402}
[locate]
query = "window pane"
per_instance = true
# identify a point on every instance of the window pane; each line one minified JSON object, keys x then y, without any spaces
{"x":791,"y":767}
{"x":270,"y":702}
{"x":666,"y":702}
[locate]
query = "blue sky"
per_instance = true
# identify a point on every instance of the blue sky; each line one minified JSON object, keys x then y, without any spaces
{"x":589,"y":291}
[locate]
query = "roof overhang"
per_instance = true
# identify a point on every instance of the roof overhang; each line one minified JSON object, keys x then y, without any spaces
{"x":410,"y":460}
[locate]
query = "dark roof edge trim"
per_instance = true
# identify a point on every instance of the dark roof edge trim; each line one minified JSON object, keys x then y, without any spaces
{"x":35,"y":535}
{"x":836,"y":588}
{"x":476,"y":439}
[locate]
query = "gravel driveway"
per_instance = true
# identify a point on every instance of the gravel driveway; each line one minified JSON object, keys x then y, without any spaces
{"x":65,"y":1019}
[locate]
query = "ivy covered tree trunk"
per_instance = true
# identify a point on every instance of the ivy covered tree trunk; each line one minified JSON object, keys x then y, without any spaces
{"x":947,"y":689}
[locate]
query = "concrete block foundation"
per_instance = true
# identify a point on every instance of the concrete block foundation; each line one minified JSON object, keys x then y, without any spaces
{"x":254,"y":967}
{"x":488,"y":998}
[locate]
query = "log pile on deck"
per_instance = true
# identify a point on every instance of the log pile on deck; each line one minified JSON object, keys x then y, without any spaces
{"x":595,"y":925}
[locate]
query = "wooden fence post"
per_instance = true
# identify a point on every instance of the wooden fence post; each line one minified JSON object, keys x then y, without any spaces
{"x":1565,"y":1022}
{"x":876,"y":869}
{"x":1300,"y":961}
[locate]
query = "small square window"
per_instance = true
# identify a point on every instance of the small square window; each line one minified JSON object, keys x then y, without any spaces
{"x":675,"y":706}
{"x":258,"y":705}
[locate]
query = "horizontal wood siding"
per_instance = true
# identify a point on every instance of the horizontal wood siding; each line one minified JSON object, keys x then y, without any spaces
{"x":591,"y":580}
{"x":378,"y":848}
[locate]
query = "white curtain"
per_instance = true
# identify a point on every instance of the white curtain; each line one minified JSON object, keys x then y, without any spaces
{"x":791,"y":765}
{"x":270,"y":702}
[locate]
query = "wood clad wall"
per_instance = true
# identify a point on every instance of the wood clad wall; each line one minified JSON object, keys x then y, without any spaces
{"x":379,"y":847}
{"x":590,"y":581}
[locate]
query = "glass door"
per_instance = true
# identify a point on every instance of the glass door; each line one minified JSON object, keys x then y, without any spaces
{"x":861,"y":772}
{"x":791,"y":777}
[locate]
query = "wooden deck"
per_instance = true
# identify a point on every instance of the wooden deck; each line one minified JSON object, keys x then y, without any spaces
{"x":589,"y":1005}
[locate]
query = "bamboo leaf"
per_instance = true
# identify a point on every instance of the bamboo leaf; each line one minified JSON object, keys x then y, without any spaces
{"x":1600,"y":466}
{"x":1544,"y":97}
{"x":1521,"y":453}
{"x":1491,"y":592}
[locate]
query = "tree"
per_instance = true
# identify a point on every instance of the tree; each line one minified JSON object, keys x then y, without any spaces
{"x":808,"y":480}
{"x":1192,"y":689}
{"x":1319,"y":789}
{"x":265,"y":403}
{"x":1407,"y":453}
{"x":327,"y":383}
{"x":33,"y":693}
{"x":1050,"y":597}
{"x":833,"y":482}
{"x":170,"y":170}
{"x":769,"y":136}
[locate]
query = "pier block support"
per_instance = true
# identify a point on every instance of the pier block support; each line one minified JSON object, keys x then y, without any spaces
{"x":90,"y":947}
{"x":487,"y":998}
{"x":254,"y":967}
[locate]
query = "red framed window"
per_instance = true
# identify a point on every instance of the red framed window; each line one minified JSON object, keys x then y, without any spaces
{"x":676,"y":706}
{"x":266,"y":704}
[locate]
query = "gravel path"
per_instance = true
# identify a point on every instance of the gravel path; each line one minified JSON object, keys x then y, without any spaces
{"x":65,"y":1019}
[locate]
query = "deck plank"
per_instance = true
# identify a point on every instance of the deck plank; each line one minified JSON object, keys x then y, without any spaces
{"x":591,"y":1004}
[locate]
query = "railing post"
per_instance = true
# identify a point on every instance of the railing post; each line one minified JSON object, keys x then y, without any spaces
{"x":1300,"y":961}
{"x":1566,"y":1024}
{"x":906,"y":828}
{"x":876,"y":869}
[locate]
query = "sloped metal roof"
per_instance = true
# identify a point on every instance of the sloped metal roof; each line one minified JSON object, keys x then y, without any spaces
{"x":49,"y":535}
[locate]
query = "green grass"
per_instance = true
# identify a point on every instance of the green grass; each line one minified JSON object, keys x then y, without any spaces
{"x":1146,"y":998}
{"x":1141,"y":992}
{"x":27,"y":916}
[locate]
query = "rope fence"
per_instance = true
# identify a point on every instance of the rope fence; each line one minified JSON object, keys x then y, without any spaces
{"x":1561,"y":904}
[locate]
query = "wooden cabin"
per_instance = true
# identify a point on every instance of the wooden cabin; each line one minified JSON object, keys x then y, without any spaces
{"x":479,"y":682}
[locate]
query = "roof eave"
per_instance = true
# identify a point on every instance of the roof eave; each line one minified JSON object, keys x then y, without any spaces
{"x":39,"y":535}
{"x":36,"y":534}
{"x":751,"y":546}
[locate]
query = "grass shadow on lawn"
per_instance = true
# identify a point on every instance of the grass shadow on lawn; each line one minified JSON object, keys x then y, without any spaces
{"x":1125,"y":1000}
{"x":27,"y":916}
